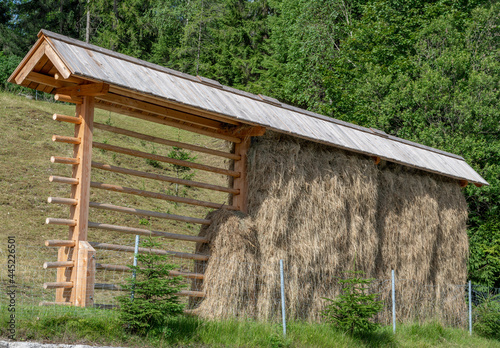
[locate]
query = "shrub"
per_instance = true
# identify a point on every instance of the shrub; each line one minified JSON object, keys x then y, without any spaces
{"x":352,"y":310}
{"x":154,"y":300}
{"x":487,"y":317}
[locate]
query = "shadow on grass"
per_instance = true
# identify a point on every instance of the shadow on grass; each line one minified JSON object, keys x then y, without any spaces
{"x":379,"y":338}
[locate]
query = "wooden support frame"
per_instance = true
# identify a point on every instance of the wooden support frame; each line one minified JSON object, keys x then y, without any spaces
{"x":85,"y":275}
{"x":80,"y":193}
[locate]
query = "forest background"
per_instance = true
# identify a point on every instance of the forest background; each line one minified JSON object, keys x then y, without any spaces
{"x":426,"y":71}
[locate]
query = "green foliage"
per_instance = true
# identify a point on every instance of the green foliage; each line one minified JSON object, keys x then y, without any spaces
{"x":7,"y":65}
{"x":353,"y":309}
{"x":154,"y":301}
{"x":487,"y":317}
{"x":484,"y":260}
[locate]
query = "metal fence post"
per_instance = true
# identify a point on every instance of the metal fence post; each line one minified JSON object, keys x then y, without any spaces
{"x":283,"y":297}
{"x":470,"y":308}
{"x":393,"y":302}
{"x":136,"y":251}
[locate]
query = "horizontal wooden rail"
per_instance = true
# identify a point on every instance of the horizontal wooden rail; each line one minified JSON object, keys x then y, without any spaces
{"x":58,"y":285}
{"x":54,"y":221}
{"x":111,"y":287}
{"x":191,"y":293}
{"x":167,"y":122}
{"x":44,"y":79}
{"x":67,"y":140}
{"x":64,"y":160}
{"x":157,"y":195}
{"x":47,"y":303}
{"x":59,"y":243}
{"x":165,"y":159}
{"x":59,"y":200}
{"x":131,"y":249}
{"x":149,"y":213}
{"x":162,"y":141}
{"x":59,"y":264}
{"x":145,"y":232}
{"x":105,"y":306}
{"x":165,"y":178}
{"x":63,"y":180}
{"x":69,"y":119}
{"x":120,"y":268}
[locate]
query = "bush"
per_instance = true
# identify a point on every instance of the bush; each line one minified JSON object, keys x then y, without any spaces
{"x":7,"y":65}
{"x":487,"y":317}
{"x":352,"y":310}
{"x":154,"y":301}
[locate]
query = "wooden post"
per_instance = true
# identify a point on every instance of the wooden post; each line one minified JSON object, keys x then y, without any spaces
{"x":78,"y":212}
{"x":240,"y":183}
{"x":85,"y":275}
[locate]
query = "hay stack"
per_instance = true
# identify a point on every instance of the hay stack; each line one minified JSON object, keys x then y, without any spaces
{"x":318,"y":208}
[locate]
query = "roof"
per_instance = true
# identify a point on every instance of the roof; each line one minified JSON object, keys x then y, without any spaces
{"x":210,"y":100}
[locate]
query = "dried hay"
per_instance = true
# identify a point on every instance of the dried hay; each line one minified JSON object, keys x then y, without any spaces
{"x":319,"y":208}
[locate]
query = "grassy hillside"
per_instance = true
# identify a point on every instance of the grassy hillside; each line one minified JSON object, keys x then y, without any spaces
{"x":25,"y":150}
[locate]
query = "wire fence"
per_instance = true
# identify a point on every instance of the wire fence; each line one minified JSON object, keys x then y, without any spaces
{"x":413,"y":301}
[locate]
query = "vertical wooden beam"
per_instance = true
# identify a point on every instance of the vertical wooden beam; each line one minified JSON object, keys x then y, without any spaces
{"x":80,"y":192}
{"x":85,"y":275}
{"x":241,"y":183}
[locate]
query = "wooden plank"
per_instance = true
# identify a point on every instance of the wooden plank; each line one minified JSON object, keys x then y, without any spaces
{"x":44,"y":80}
{"x":165,"y":178}
{"x":64,"y":118}
{"x":167,"y":122}
{"x":157,"y":195}
{"x":59,"y":200}
{"x":149,"y":213}
{"x":92,"y":90}
{"x":68,"y":99}
{"x":191,"y":293}
{"x":58,"y":264}
{"x":65,"y":222}
{"x":30,"y":64}
{"x":160,"y":111}
{"x":63,"y":180}
{"x":59,"y":243}
{"x":64,"y":160}
{"x":145,"y":232}
{"x":85,"y":275}
{"x":165,"y":141}
{"x":241,"y":183}
{"x":58,"y":63}
{"x":165,"y":159}
{"x":131,"y":249}
{"x":64,"y":139}
{"x":58,"y":285}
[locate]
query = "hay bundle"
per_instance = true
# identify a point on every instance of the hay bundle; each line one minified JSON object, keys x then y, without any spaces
{"x":231,"y":277}
{"x":318,"y":208}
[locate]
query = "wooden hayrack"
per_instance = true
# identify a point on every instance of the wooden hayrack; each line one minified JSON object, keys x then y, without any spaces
{"x":76,"y":264}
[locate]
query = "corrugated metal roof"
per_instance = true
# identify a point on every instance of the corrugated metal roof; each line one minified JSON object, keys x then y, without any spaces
{"x":92,"y":62}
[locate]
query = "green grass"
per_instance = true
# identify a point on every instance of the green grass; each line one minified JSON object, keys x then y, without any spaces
{"x":90,"y":326}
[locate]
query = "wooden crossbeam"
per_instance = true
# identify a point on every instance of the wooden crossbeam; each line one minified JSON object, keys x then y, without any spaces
{"x":145,"y":232}
{"x":165,"y":178}
{"x":162,"y":141}
{"x":165,"y":159}
{"x":93,"y":90}
{"x":166,"y":121}
{"x":157,"y":195}
{"x":149,"y":213}
{"x":131,"y":249}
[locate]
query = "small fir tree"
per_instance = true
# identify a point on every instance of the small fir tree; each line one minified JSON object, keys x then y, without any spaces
{"x":182,"y":172}
{"x":354,"y":308}
{"x":154,"y":300}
